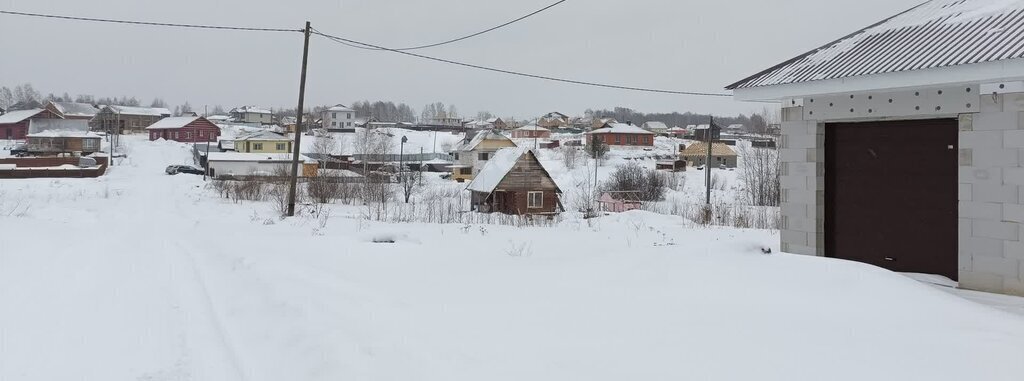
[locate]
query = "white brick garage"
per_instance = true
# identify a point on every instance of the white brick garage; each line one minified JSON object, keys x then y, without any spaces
{"x":958,"y":60}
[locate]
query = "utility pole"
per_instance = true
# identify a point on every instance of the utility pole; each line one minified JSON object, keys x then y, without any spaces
{"x":707,"y":160}
{"x":298,"y":124}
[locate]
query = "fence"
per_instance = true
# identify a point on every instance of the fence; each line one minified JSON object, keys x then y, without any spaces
{"x":51,"y":167}
{"x":721,"y":214}
{"x":410,"y":158}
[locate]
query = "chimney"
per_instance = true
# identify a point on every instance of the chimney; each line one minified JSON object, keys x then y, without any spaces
{"x":629,"y":122}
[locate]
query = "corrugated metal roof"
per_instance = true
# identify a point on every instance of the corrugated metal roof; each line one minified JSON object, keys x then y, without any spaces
{"x":938,"y":33}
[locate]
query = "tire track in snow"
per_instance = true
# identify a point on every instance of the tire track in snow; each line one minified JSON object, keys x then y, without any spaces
{"x":211,"y":312}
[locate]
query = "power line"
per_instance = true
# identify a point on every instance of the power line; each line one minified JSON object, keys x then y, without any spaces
{"x":353,"y":43}
{"x":113,"y":21}
{"x":480,"y":32}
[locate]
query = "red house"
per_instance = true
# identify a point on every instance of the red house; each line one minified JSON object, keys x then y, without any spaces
{"x":186,"y":129}
{"x":623,"y":135}
{"x":14,"y":125}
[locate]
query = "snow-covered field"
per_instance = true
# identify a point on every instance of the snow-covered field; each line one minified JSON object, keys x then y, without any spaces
{"x":142,"y":276}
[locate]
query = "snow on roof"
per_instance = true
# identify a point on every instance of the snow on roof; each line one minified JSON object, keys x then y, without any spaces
{"x":938,"y":33}
{"x":19,"y":115}
{"x":141,"y":111}
{"x":479,"y":138}
{"x":172,"y":122}
{"x":75,"y":109}
{"x":64,"y":134}
{"x":698,"y":126}
{"x":497,"y":167}
{"x":263,"y":135}
{"x":620,"y":128}
{"x":677,"y":128}
{"x":43,"y":124}
{"x":532,"y":128}
{"x":256,"y":157}
{"x":701,"y":149}
{"x":250,"y":110}
{"x":656,"y":125}
{"x":493,"y":120}
{"x":340,"y":108}
{"x":218,"y":118}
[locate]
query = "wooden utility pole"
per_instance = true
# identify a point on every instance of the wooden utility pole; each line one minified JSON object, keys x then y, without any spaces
{"x":298,"y":124}
{"x":707,"y":160}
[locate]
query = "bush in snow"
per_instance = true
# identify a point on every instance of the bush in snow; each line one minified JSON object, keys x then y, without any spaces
{"x":650,"y":185}
{"x":760,"y":173}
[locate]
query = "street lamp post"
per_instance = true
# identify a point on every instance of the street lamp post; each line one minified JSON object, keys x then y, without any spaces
{"x":401,"y":156}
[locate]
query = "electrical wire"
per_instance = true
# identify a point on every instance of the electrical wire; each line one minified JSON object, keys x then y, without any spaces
{"x":353,"y":43}
{"x":480,"y":32}
{"x":113,"y":21}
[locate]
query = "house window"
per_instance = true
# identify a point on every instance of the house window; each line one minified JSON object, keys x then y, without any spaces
{"x":333,"y":124}
{"x":618,"y":140}
{"x":484,"y":156}
{"x":175,"y":134}
{"x":348,"y":124}
{"x":90,"y":143}
{"x":466,"y":171}
{"x":281,"y":147}
{"x":334,"y":115}
{"x":535,"y":200}
{"x":455,"y":156}
{"x":349,"y":116}
{"x":257,"y":146}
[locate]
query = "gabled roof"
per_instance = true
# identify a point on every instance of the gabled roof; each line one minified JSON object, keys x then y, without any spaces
{"x":479,"y":138}
{"x":75,"y":109}
{"x":43,"y":124}
{"x":656,"y":125}
{"x":264,"y":135}
{"x":64,"y":134}
{"x":19,"y":115}
{"x":250,"y":110}
{"x":173,"y":122}
{"x":621,"y":128}
{"x":532,"y":128}
{"x":701,"y":149}
{"x":498,"y":167}
{"x":140,"y":111}
{"x":938,"y":33}
{"x":340,"y":108}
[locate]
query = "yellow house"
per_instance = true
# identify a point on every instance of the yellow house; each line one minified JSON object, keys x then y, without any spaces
{"x":263,"y":142}
{"x":474,"y":152}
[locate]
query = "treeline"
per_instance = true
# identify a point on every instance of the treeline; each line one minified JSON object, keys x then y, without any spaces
{"x":754,"y":122}
{"x":24,"y":97}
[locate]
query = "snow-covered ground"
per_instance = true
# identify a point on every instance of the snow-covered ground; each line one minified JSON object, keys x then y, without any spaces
{"x":143,"y":276}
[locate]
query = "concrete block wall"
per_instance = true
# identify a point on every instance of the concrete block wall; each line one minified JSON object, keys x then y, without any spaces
{"x":802,"y":154}
{"x":991,"y":189}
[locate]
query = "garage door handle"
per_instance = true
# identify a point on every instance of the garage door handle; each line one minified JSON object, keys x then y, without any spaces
{"x":891,"y":259}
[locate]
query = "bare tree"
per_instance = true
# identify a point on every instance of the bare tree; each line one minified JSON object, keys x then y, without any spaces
{"x":760,"y":171}
{"x":6,"y":98}
{"x":409,"y":182}
{"x":570,"y":157}
{"x":324,"y":187}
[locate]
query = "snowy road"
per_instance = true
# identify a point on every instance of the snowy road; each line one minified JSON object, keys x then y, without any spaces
{"x":144,"y":276}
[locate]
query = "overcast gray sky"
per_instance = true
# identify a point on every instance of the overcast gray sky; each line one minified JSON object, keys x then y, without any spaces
{"x":694,"y":45}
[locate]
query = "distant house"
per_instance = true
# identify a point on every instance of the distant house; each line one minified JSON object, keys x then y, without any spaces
{"x":241,"y":165}
{"x":623,"y":135}
{"x":125,"y":119}
{"x":73,"y":110}
{"x":252,"y":114}
{"x":701,"y":131}
{"x":531,"y":132}
{"x":188,"y":129}
{"x":676,"y":131}
{"x":721,"y":155}
{"x":52,"y":142}
{"x":553,"y":120}
{"x":338,"y":117}
{"x":734,"y":128}
{"x":218,"y":118}
{"x":263,"y":142}
{"x":497,"y":123}
{"x":15,"y":124}
{"x":656,"y":127}
{"x":597,"y":123}
{"x":514,"y":182}
{"x":471,"y":155}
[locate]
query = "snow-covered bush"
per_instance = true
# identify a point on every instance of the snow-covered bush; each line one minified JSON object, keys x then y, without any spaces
{"x":649,"y":185}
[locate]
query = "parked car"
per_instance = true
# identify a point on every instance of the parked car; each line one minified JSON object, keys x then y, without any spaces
{"x":176,"y":169}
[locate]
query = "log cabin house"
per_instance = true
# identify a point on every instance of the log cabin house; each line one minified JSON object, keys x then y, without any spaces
{"x":515,"y":182}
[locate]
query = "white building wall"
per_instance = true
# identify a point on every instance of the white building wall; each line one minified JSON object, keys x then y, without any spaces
{"x":339,"y":119}
{"x":991,"y":171}
{"x":243,"y":168}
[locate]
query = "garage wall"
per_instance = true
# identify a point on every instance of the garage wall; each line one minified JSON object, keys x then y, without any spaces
{"x":991,"y":193}
{"x":991,"y":171}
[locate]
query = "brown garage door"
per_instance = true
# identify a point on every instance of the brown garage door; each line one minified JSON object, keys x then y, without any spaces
{"x":891,"y":194}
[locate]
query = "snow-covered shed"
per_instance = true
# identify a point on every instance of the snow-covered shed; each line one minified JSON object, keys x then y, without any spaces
{"x":902,"y":143}
{"x":515,"y":182}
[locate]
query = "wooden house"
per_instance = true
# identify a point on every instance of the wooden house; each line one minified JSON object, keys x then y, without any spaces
{"x":531,"y":132}
{"x":721,"y":155}
{"x":125,"y":119}
{"x":515,"y":182}
{"x":73,"y":110}
{"x":188,"y":129}
{"x":553,"y":120}
{"x":14,"y":125}
{"x":52,"y":142}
